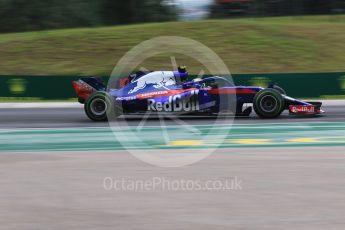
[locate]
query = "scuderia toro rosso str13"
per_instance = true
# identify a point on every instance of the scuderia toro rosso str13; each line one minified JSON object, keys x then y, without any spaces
{"x":170,"y":93}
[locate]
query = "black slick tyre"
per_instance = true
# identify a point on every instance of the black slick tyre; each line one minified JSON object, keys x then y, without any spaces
{"x":268,"y":103}
{"x":98,"y":106}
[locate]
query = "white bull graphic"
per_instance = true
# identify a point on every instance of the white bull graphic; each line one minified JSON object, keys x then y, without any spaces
{"x":159,"y":79}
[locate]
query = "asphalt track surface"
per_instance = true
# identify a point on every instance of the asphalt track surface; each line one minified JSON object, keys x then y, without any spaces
{"x":279,"y":187}
{"x":74,"y":116}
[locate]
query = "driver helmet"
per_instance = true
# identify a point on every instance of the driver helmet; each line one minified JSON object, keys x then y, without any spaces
{"x":182,"y":69}
{"x":181,"y":75}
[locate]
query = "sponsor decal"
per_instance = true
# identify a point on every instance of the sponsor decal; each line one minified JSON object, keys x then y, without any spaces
{"x":143,"y":96}
{"x":162,"y":93}
{"x":126,"y":98}
{"x":176,"y":103}
{"x":158,"y":79}
{"x":17,"y":86}
{"x":260,"y":81}
{"x":152,"y":94}
{"x":305,"y":109}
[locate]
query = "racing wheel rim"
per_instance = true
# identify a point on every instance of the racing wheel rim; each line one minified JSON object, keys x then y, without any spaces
{"x":268,"y":103}
{"x":98,"y":106}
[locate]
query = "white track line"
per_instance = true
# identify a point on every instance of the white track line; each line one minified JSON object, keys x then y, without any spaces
{"x":21,"y":105}
{"x":57,"y":105}
{"x":292,"y":125}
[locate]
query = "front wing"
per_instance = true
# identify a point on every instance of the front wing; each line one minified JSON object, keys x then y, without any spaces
{"x":297,"y":107}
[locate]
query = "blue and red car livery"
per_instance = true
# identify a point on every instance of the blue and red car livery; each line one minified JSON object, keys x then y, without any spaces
{"x":169,"y":92}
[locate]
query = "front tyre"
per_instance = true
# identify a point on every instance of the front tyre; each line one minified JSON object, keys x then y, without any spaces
{"x":280,"y":90}
{"x":268,"y":103}
{"x":98,"y":106}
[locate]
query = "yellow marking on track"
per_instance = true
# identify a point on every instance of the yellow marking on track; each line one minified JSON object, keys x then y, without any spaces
{"x":336,"y":137}
{"x":252,"y":141}
{"x":186,"y":143}
{"x":305,"y":140}
{"x":257,"y":141}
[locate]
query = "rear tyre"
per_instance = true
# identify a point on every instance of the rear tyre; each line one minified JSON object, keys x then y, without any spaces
{"x":99,"y":106}
{"x":268,"y":103}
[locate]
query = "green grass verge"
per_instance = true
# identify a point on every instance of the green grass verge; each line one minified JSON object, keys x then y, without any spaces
{"x":281,"y":44}
{"x":332,"y":97}
{"x":32,"y":99}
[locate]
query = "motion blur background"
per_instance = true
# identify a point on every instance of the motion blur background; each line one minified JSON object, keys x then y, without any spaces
{"x":87,"y":37}
{"x":22,"y":15}
{"x":292,"y":168}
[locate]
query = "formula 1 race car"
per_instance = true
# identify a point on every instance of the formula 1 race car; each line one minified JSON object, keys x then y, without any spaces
{"x":169,"y":92}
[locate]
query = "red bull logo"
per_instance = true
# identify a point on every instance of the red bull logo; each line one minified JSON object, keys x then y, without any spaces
{"x":176,"y":103}
{"x":159,"y":79}
{"x":305,"y":109}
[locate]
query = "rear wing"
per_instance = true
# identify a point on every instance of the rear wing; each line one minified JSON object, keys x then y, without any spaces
{"x":85,"y":86}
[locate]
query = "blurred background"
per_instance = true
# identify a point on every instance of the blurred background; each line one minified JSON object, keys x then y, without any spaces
{"x":21,"y":15}
{"x":87,"y":37}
